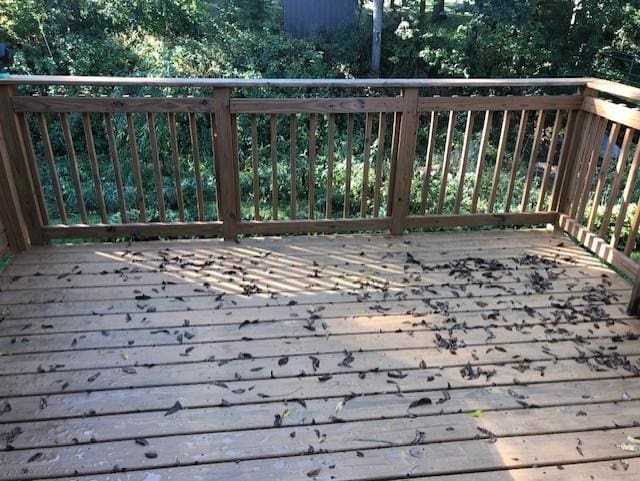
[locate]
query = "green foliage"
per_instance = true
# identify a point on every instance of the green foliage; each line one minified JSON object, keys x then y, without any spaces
{"x":244,"y":38}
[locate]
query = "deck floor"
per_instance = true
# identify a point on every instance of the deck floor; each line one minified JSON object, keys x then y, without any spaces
{"x":504,"y":354}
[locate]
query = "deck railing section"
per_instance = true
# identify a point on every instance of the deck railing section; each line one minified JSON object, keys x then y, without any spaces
{"x":396,"y":158}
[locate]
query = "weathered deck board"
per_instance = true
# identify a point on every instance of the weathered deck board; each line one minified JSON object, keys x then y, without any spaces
{"x":300,"y":358}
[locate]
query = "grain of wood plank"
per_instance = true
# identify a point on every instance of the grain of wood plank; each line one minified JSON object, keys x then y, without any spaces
{"x":135,"y":334}
{"x":151,"y":278}
{"x":433,"y":459}
{"x":42,"y":433}
{"x":161,"y":367}
{"x":299,"y":245}
{"x":228,"y":327}
{"x":620,"y":470}
{"x":397,"y":346}
{"x":334,"y":438}
{"x":285,"y":286}
{"x":206,"y":393}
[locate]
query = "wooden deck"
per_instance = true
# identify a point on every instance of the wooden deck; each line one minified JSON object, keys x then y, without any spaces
{"x":430,"y":356}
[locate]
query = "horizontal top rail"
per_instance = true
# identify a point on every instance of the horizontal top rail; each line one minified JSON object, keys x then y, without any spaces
{"x":292,"y":83}
{"x":615,"y":88}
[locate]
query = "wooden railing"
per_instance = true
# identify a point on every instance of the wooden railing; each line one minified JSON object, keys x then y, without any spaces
{"x":231,"y":158}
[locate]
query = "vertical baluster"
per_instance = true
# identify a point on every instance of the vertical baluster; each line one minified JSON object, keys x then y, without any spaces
{"x":73,"y":167}
{"x":633,"y":233}
{"x":602,"y":176}
{"x":626,"y":196}
{"x":502,"y":148}
{"x":446,"y":160}
{"x":468,"y":134}
{"x":330,"y":158}
{"x":273,"y":123}
{"x":382,"y":126}
{"x":216,"y":165}
{"x":617,"y":178}
{"x":582,"y":161}
{"x":368,"y":127}
{"x":117,"y":171}
{"x":48,"y":153}
{"x":550,"y":156}
{"x":293,"y":134}
{"x":93,"y":162}
{"x":532,"y":160}
{"x":175,"y":157}
{"x":426,"y":175}
{"x":137,"y":173}
{"x":254,"y":167}
{"x":593,"y":159}
{"x":157,"y":169}
{"x":33,"y":166}
{"x":236,"y":159}
{"x":482,"y":156}
{"x":395,"y":137}
{"x":197,"y":166}
{"x":313,"y":127}
{"x":517,"y":154}
{"x":564,"y":161}
{"x":347,"y":181}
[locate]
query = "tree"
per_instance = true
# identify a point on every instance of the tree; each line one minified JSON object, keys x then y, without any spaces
{"x":376,"y":42}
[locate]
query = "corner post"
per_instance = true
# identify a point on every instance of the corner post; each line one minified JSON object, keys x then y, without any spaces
{"x":225,"y":164}
{"x":21,"y":211}
{"x":404,"y":166}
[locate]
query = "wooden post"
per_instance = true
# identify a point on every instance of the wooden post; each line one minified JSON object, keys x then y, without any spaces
{"x":229,"y":190}
{"x":633,"y":308}
{"x":404,"y":165}
{"x":22,"y":214}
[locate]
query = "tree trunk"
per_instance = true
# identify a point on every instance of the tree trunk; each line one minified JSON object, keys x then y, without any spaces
{"x":376,"y":42}
{"x":438,"y":9}
{"x":423,"y":10}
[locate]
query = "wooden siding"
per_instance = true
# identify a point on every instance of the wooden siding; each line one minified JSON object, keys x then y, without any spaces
{"x":303,"y":18}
